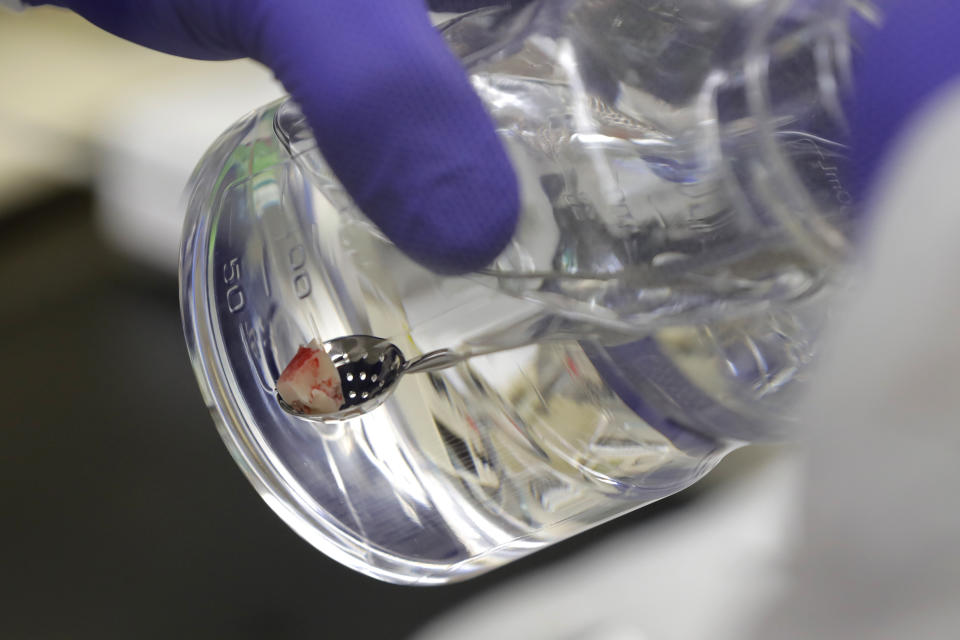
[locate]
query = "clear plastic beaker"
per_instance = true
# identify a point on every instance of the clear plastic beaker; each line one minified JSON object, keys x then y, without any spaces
{"x":681,"y":213}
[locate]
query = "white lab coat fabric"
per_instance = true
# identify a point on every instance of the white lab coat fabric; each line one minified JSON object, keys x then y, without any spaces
{"x":860,"y":537}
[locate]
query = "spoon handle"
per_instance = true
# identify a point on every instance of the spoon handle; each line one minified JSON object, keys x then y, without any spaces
{"x":434,"y":361}
{"x":446,"y":358}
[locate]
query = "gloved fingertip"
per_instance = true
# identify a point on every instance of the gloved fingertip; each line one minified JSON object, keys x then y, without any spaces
{"x":460,"y":221}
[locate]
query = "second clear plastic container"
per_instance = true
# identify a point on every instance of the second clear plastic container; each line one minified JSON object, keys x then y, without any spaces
{"x":682,"y":210}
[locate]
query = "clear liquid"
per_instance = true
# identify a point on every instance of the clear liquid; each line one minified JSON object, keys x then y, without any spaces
{"x":462,"y":470}
{"x":465,"y":469}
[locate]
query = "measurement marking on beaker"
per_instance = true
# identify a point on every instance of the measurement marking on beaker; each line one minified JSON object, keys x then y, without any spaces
{"x":251,"y":336}
{"x":298,"y":257}
{"x":264,"y":270}
{"x":301,"y":279}
{"x":236,"y":301}
{"x":256,"y":342}
{"x":831,"y":173}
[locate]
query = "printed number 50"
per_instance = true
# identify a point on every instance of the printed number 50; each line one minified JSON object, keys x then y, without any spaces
{"x":231,"y":276}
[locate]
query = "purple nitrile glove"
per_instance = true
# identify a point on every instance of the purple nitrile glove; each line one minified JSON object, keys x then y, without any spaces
{"x":901,"y":69}
{"x":391,"y":108}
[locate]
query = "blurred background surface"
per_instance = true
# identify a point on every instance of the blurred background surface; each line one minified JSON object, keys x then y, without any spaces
{"x":123,"y":514}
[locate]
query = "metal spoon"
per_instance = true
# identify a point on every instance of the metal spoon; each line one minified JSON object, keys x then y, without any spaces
{"x":370,"y":368}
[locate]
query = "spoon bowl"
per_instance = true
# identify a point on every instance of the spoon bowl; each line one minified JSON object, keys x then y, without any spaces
{"x":369,"y":369}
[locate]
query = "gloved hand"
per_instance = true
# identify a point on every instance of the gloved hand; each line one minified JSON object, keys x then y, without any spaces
{"x":390,"y":106}
{"x":902,"y":70}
